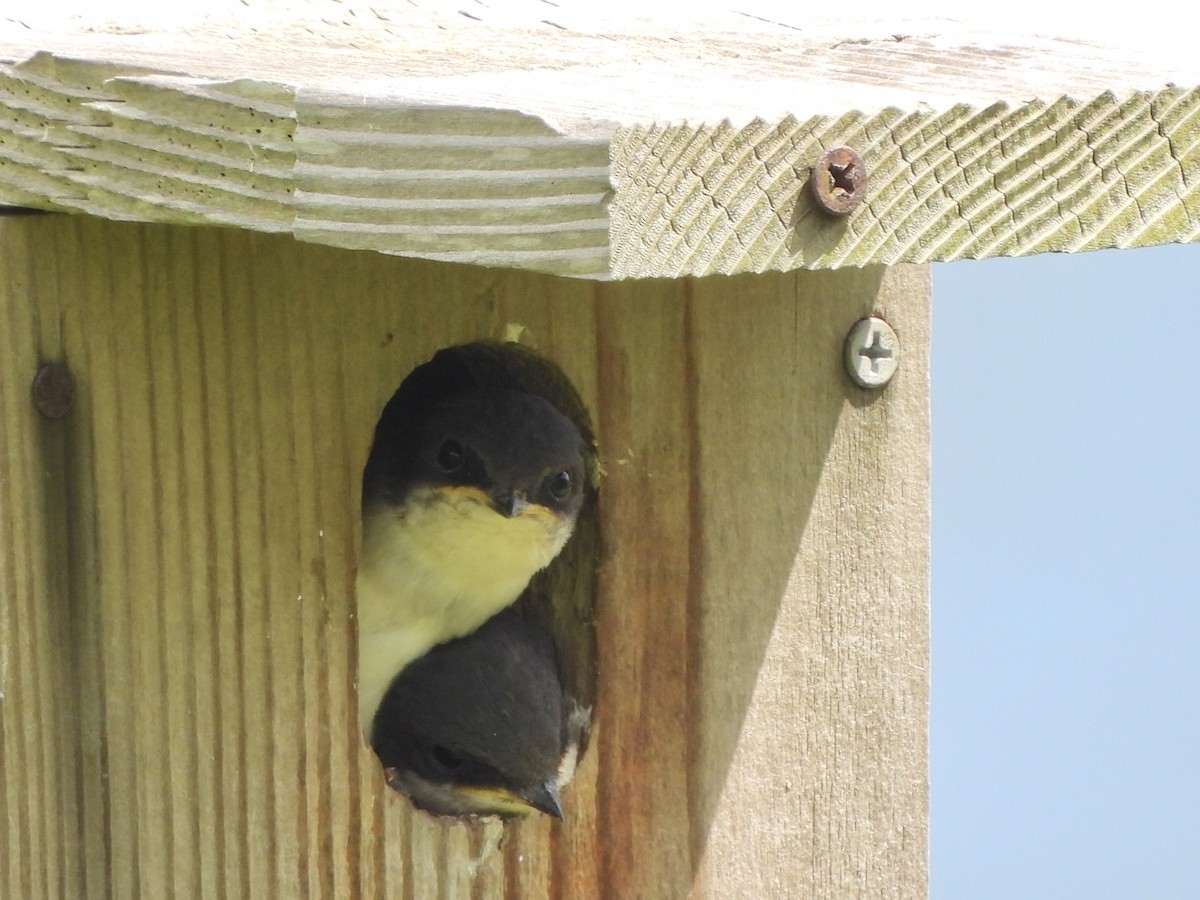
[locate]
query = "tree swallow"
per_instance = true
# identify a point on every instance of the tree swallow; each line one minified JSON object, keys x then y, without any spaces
{"x":468,"y":491}
{"x":482,"y":725}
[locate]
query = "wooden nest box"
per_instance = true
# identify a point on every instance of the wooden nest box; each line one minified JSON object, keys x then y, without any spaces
{"x":264,"y":215}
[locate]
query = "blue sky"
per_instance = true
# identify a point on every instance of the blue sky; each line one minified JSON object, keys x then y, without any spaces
{"x":1065,"y":733}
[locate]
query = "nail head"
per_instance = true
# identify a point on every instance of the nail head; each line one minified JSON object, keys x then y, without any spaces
{"x":53,"y":390}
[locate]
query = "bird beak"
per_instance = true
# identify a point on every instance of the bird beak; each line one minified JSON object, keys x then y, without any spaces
{"x":503,"y":801}
{"x":545,"y":798}
{"x":510,"y":503}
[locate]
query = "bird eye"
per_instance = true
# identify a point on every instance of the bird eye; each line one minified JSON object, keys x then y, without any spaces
{"x":445,"y":758}
{"x":559,"y":485}
{"x":451,"y":456}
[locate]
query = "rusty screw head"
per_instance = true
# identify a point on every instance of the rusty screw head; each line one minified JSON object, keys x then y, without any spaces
{"x":839,"y":181}
{"x":872,"y":352}
{"x":53,"y":390}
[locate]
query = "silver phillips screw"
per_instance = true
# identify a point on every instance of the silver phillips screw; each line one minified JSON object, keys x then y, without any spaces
{"x":872,"y":352}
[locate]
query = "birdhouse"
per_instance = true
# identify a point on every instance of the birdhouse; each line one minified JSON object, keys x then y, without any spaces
{"x":231,"y":231}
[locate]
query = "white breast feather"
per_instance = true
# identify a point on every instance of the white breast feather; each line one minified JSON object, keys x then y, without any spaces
{"x":438,"y":571}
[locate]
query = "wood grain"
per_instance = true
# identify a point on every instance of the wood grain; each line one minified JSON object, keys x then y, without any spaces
{"x":606,"y":144}
{"x":177,"y":566}
{"x":45,"y":706}
{"x":1060,"y":174}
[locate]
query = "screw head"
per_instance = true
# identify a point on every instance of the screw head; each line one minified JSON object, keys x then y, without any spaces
{"x":839,"y":181}
{"x":53,"y":390}
{"x":872,"y":352}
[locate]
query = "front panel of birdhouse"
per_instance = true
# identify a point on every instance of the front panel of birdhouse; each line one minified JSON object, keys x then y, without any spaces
{"x":178,"y":552}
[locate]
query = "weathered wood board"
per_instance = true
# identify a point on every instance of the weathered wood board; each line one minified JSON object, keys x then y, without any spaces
{"x":608,"y":142}
{"x":177,"y":711}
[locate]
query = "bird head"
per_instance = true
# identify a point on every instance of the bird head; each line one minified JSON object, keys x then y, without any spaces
{"x":481,"y":725}
{"x":513,"y":451}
